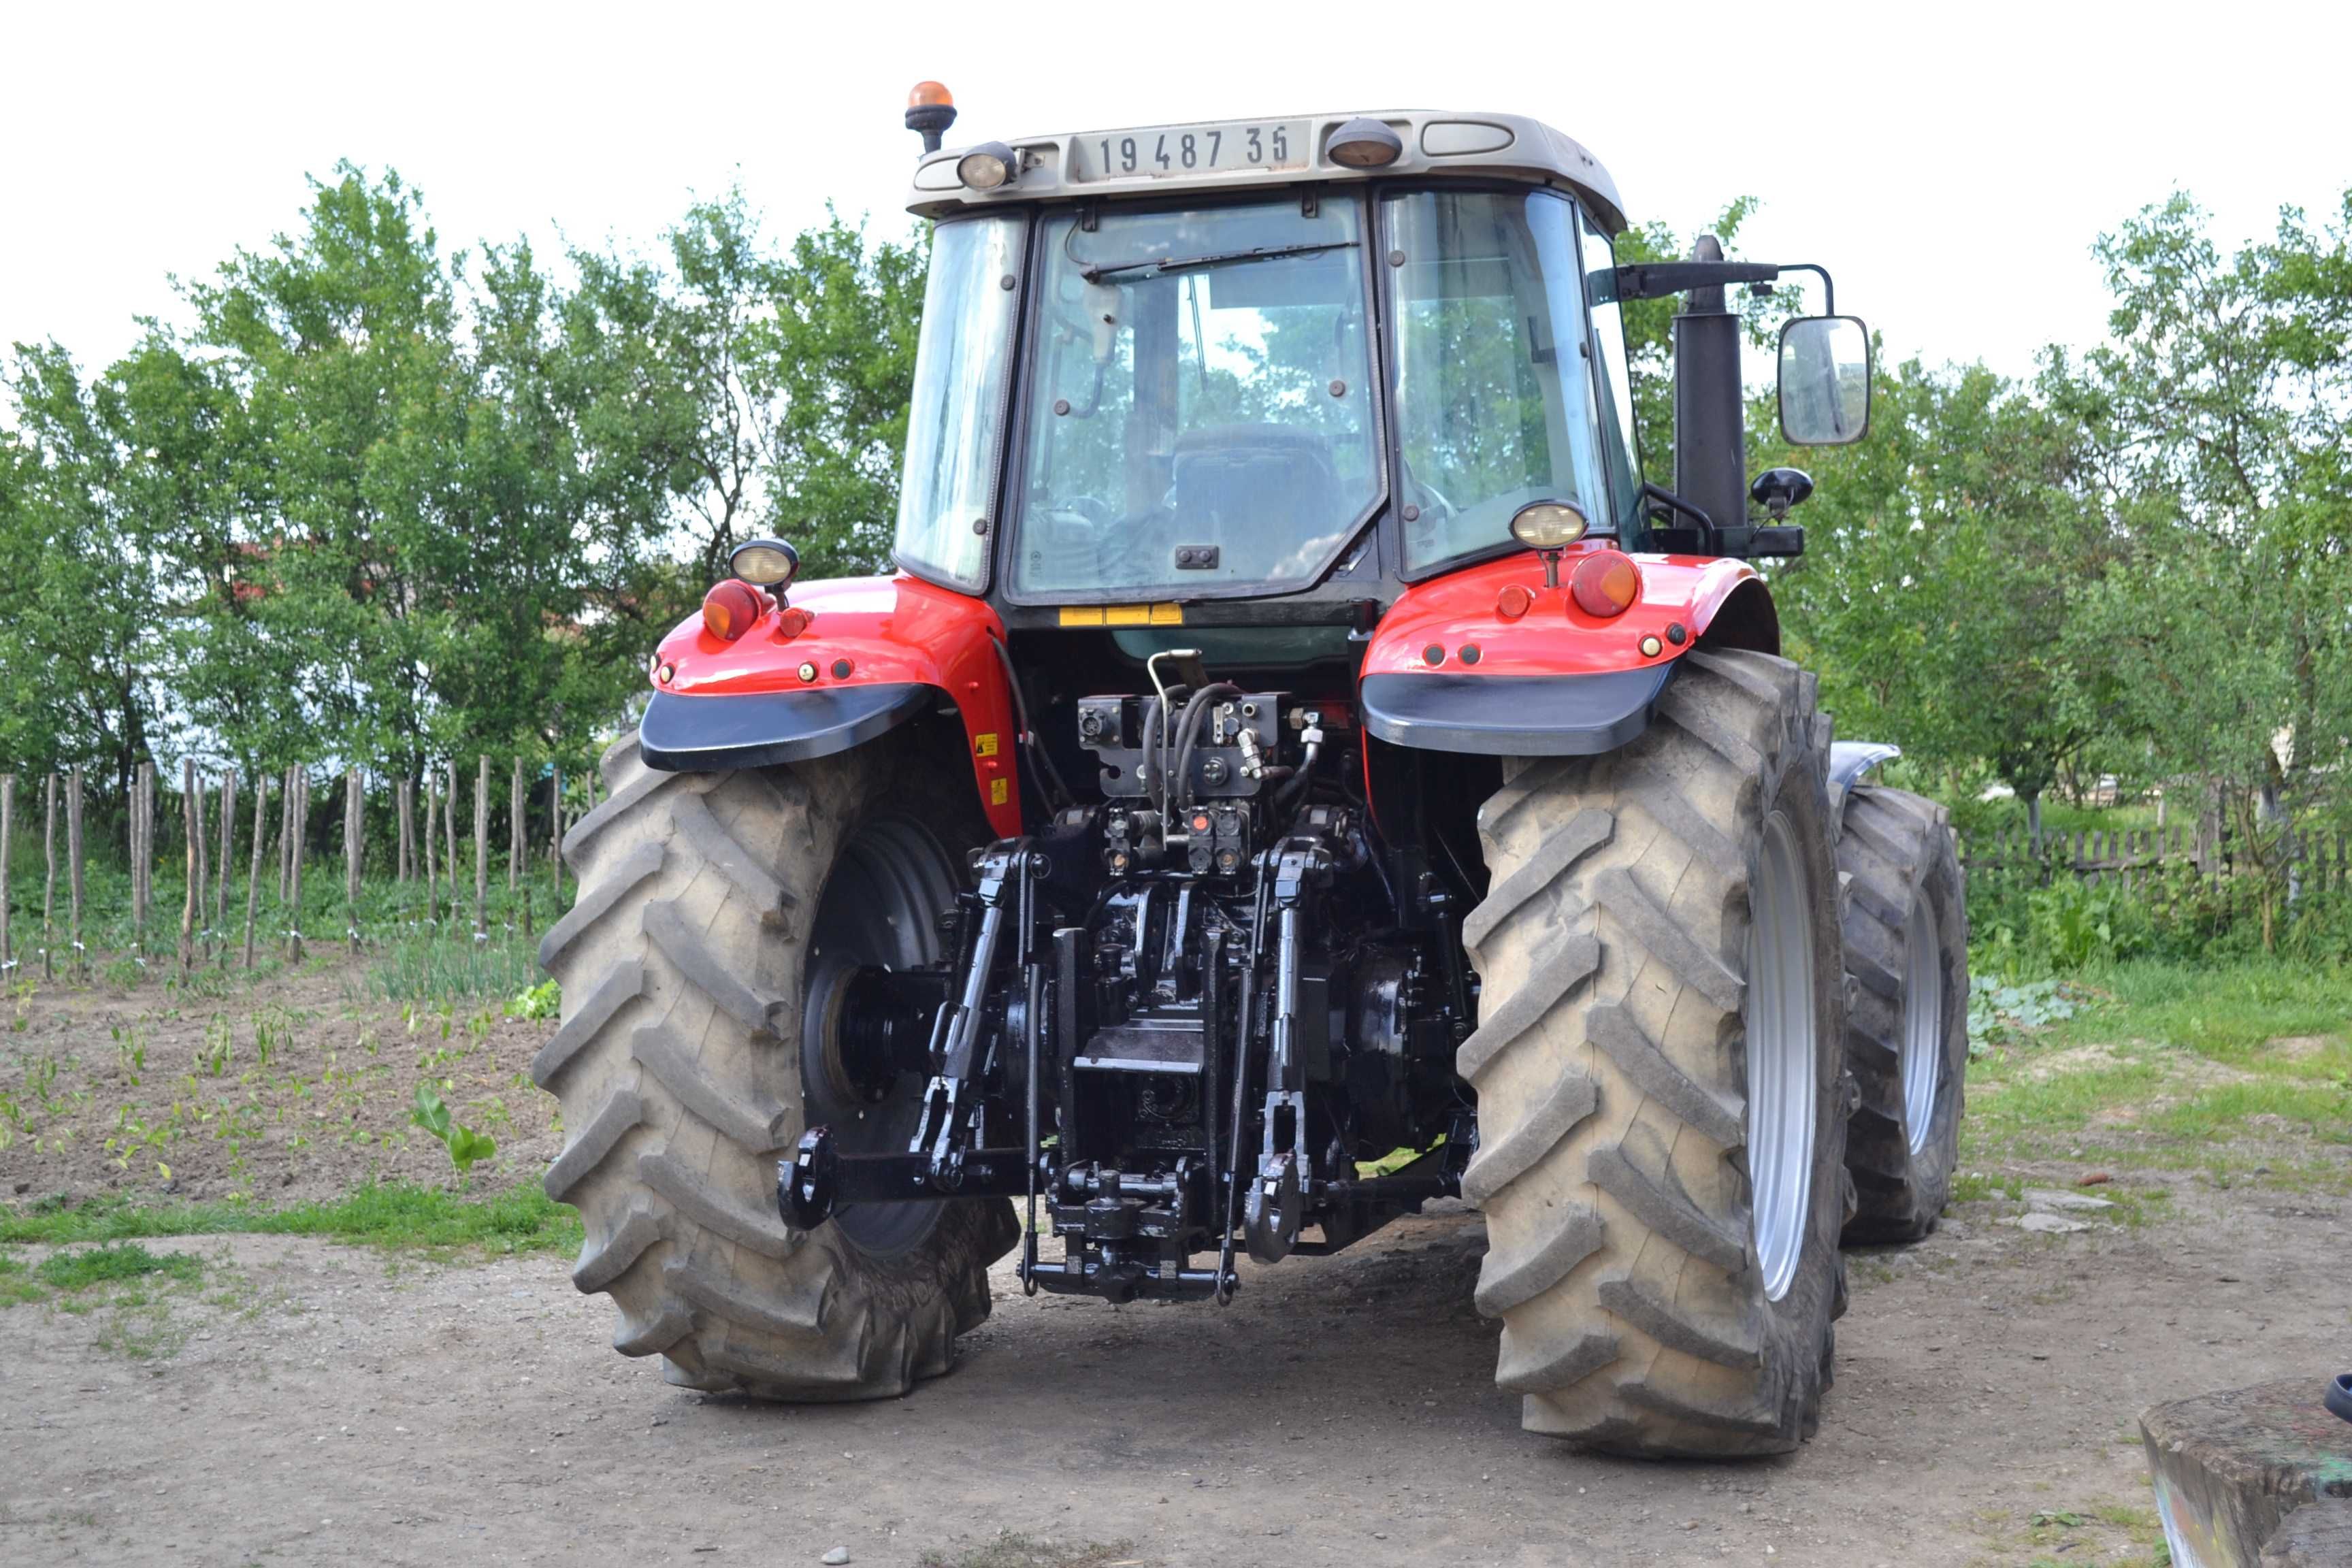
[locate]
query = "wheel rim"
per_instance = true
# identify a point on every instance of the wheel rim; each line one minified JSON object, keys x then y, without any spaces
{"x":881,"y":906}
{"x":1781,"y":1055}
{"x":1923,"y":1020}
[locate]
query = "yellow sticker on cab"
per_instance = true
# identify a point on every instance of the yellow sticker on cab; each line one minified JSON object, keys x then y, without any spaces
{"x":985,"y":745}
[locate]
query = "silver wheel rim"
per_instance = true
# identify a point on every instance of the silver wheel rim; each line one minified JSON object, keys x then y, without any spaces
{"x":1923,"y":1020}
{"x":881,"y":906}
{"x":1781,"y":1057}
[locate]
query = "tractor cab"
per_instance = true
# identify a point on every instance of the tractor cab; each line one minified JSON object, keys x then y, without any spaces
{"x":1309,"y":360}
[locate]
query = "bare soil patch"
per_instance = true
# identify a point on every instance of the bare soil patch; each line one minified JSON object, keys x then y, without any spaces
{"x":298,"y":1085}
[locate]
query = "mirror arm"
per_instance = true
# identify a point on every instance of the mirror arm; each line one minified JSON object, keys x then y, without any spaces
{"x":1656,"y":279}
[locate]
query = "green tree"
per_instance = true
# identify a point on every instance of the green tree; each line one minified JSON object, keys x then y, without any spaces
{"x":1944,"y":556}
{"x":80,"y":606}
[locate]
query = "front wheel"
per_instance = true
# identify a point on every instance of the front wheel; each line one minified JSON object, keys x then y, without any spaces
{"x":1662,"y":1097}
{"x":1907,"y":945}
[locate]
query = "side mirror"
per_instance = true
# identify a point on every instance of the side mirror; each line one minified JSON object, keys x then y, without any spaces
{"x":1824,"y":381}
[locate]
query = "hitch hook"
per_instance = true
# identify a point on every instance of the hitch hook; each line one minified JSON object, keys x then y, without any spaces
{"x":1273,"y":1213}
{"x":808,"y":1184}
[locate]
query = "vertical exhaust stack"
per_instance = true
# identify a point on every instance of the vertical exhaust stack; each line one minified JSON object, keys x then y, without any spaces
{"x":930,"y":109}
{"x":1710,"y":422}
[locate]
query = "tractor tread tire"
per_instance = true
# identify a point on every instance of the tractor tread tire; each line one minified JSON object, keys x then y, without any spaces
{"x":1895,"y":844}
{"x":675,"y":1063}
{"x":1611,"y":1071}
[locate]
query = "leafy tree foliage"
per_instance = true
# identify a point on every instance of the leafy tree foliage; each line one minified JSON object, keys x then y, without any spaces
{"x":385,"y":503}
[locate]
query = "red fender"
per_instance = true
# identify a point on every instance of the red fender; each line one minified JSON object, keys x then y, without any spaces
{"x":1554,"y":636}
{"x":868,"y":631}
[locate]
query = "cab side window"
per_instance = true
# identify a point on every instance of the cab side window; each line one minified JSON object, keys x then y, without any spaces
{"x":1620,"y":448}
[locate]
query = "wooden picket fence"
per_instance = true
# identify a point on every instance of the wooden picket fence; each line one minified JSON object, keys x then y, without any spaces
{"x":2136,"y":857}
{"x":424,"y":854}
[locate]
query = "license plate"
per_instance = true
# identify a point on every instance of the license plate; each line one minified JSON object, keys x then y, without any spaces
{"x":1163,"y":151}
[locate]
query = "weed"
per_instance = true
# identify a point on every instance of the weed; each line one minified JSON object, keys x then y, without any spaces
{"x":16,"y":1287}
{"x":219,"y":1043}
{"x":115,"y":1263}
{"x":129,"y":1052}
{"x":544,"y":999}
{"x":465,"y":1144}
{"x":1999,"y":1011}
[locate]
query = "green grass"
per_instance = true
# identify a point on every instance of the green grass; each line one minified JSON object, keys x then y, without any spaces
{"x":16,"y":1286}
{"x":114,"y":1263}
{"x":2233,"y":1068}
{"x":2224,"y":1013}
{"x":394,"y":1215}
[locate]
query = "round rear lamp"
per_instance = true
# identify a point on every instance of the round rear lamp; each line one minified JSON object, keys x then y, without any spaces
{"x":1364,"y":143}
{"x":1604,"y":582}
{"x":987,"y":167}
{"x":1548,"y":524}
{"x":765,"y":563}
{"x":730,"y":609}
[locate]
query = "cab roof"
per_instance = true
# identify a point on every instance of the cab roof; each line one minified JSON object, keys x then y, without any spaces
{"x":1436,"y":142}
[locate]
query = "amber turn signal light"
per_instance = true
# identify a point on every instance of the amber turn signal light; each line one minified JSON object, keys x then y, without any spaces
{"x":730,"y":609}
{"x":1604,"y":582}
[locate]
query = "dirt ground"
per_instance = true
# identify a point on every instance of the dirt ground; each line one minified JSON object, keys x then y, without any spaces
{"x":312,"y":1403}
{"x":304,"y":1401}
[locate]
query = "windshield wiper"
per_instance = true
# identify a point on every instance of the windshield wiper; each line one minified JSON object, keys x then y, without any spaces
{"x":1162,"y":265}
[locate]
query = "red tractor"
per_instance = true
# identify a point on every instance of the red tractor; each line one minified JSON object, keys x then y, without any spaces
{"x":1298,"y":771}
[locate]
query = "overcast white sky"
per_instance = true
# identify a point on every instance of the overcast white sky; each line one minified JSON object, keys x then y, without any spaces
{"x":1950,"y":163}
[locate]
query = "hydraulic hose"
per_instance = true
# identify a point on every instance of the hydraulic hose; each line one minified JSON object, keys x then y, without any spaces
{"x":1049,"y":777}
{"x":1196,"y":708}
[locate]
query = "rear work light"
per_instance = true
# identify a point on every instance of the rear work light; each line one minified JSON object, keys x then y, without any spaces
{"x":730,"y":609}
{"x":1604,"y":582}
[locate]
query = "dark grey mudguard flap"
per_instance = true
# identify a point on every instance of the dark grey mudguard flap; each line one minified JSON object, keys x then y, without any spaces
{"x":1514,"y":715}
{"x":711,"y":734}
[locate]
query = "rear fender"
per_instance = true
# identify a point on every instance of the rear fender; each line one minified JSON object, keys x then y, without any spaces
{"x":848,"y":660}
{"x":1448,"y":670}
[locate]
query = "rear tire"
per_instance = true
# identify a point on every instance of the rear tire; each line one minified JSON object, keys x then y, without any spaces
{"x":1906,"y":946}
{"x":678,"y":1065}
{"x":1624,"y":1146}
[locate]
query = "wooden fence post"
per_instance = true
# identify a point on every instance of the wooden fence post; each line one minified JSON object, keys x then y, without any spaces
{"x":515,"y":835}
{"x":50,"y":877}
{"x":8,"y":853}
{"x":74,"y":862}
{"x":400,"y":789}
{"x":555,"y":841}
{"x":354,"y":827}
{"x":285,"y":831}
{"x":481,"y":848}
{"x":203,"y":836}
{"x":227,"y":860}
{"x":431,"y":866}
{"x":188,"y":815}
{"x":449,"y":834}
{"x":253,"y":879}
{"x":142,"y":877}
{"x":294,"y":812}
